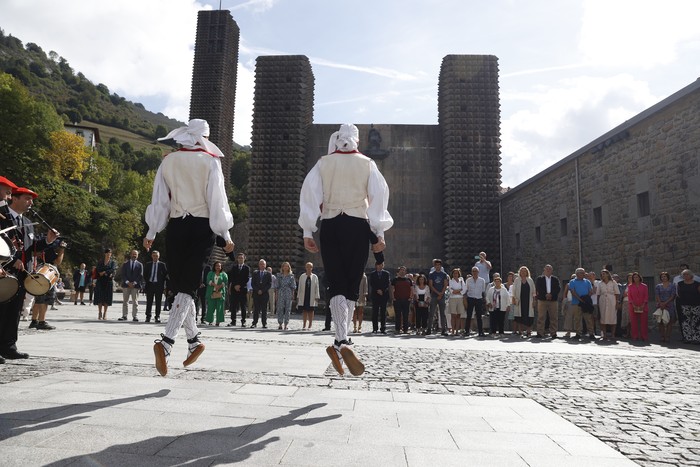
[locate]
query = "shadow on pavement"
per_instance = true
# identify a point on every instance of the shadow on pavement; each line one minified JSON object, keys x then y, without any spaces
{"x":210,"y":447}
{"x":15,"y":423}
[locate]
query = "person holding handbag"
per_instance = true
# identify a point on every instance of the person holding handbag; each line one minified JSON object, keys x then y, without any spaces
{"x":216,"y":293}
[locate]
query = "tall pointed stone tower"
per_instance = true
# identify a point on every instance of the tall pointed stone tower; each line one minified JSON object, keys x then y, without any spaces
{"x":214,"y":78}
{"x":282,"y":116}
{"x":469,"y":119}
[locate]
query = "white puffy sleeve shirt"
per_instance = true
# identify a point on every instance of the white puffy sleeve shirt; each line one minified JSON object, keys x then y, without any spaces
{"x":311,"y":199}
{"x":159,"y":211}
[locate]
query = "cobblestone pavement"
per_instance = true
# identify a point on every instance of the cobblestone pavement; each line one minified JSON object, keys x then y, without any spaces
{"x":645,"y":405}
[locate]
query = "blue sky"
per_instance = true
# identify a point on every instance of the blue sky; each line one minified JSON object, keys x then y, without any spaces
{"x":569,"y":70}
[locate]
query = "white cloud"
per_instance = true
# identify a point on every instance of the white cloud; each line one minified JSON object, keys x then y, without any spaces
{"x":637,"y":33}
{"x":555,"y":121}
{"x":257,"y":6}
{"x":137,"y":55}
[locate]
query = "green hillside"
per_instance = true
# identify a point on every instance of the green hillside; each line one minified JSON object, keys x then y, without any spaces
{"x":75,"y":98}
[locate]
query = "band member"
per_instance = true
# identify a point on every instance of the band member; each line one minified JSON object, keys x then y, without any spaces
{"x":26,"y":244}
{"x":53,"y":254}
{"x":190,"y":199}
{"x":347,"y":191}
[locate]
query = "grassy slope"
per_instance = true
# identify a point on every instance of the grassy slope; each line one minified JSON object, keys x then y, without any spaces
{"x":137,"y":141}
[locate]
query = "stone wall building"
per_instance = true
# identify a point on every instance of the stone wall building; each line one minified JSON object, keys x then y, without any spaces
{"x":444,"y":179}
{"x":629,"y":198}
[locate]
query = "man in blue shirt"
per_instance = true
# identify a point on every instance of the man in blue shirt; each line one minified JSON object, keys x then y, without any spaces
{"x":437,"y":281}
{"x":581,"y":292}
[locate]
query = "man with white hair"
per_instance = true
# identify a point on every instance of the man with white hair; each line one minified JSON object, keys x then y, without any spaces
{"x":347,"y":191}
{"x":190,"y":199}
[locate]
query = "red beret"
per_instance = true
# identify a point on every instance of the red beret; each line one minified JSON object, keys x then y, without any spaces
{"x":6,"y":182}
{"x":23,"y":191}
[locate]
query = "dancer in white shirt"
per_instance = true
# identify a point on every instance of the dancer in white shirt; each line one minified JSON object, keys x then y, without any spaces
{"x":189,"y":198}
{"x":347,"y":191}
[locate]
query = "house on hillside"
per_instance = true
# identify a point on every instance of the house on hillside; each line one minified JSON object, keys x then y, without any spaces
{"x":91,"y":135}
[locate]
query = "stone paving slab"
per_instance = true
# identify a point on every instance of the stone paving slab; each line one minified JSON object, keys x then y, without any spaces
{"x":163,"y":425}
{"x":638,"y":402}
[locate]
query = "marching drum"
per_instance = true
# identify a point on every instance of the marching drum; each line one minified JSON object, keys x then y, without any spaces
{"x":41,"y":281}
{"x":9,"y":285}
{"x":7,"y":249}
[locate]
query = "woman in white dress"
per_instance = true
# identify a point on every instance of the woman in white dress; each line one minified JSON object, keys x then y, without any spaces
{"x":608,"y":293}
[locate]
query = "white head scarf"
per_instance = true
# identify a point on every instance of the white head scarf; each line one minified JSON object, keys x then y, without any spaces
{"x":193,"y":135}
{"x":345,"y":139}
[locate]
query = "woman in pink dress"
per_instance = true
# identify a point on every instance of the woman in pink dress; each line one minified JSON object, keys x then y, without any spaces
{"x":638,"y":295}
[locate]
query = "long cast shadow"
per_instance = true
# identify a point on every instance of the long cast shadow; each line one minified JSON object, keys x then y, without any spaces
{"x":209,"y":447}
{"x":15,"y":423}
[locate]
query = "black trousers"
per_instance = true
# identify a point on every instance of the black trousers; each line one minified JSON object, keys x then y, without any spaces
{"x":189,"y":242}
{"x":498,"y":318}
{"x":260,"y":307}
{"x":238,"y":300}
{"x":201,"y":302}
{"x":401,"y":308}
{"x":475,"y":305}
{"x":9,"y":319}
{"x":153,"y":291}
{"x":344,"y":248}
{"x":378,"y":314}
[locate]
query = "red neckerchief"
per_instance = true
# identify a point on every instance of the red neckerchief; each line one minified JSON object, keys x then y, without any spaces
{"x":194,"y":150}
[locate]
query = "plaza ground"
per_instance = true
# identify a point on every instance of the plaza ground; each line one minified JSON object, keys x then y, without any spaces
{"x":90,"y":395}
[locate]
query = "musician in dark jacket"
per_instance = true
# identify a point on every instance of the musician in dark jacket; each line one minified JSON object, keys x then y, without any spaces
{"x":155,"y":273}
{"x":25,"y":245}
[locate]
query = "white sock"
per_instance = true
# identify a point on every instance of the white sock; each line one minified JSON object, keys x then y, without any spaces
{"x":178,"y":314}
{"x":339,"y":311}
{"x":351,"y":310}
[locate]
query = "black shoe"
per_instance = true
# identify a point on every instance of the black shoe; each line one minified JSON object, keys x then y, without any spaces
{"x":148,"y":320}
{"x":243,"y":325}
{"x":482,"y":335}
{"x":328,"y":329}
{"x":83,"y":303}
{"x":2,"y":360}
{"x":230,"y":325}
{"x":539,"y":336}
{"x":45,"y":326}
{"x":444,"y":333}
{"x":123,"y":318}
{"x":135,"y":319}
{"x":14,"y":355}
{"x":264,"y":326}
{"x":591,"y":337}
{"x":383,"y":332}
{"x":33,"y":324}
{"x":252,"y":326}
{"x":157,"y":320}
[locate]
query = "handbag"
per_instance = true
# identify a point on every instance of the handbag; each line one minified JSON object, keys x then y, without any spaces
{"x":638,"y":309}
{"x":216,"y":295}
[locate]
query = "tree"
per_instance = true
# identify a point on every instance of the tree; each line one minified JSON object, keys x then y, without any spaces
{"x":68,"y":156}
{"x":160,"y":132}
{"x":25,"y":126}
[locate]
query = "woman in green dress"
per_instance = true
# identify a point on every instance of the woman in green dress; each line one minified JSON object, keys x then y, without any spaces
{"x":216,"y":293}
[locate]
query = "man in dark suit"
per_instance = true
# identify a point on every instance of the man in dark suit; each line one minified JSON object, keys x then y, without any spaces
{"x":238,"y":293}
{"x":155,"y":273}
{"x":132,"y":282}
{"x":20,"y":200}
{"x":379,"y":283}
{"x":201,"y":302}
{"x":548,"y":288}
{"x":261,"y":283}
